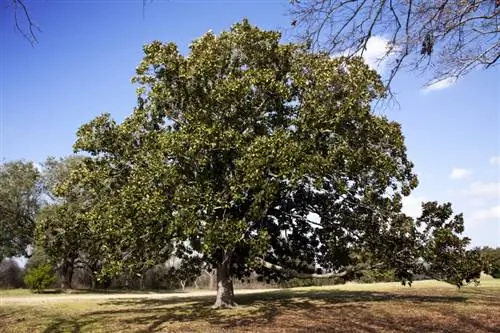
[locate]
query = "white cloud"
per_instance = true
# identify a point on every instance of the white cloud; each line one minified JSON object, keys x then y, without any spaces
{"x":376,"y":49}
{"x":476,"y":202}
{"x":480,"y":189}
{"x":459,"y":173}
{"x":487,"y":214}
{"x":412,"y":205}
{"x":439,"y":85}
{"x":495,"y":160}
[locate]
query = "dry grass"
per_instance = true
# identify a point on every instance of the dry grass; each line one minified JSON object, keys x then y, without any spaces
{"x":427,"y":307}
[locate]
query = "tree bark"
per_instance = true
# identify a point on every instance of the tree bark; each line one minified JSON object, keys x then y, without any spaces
{"x":225,"y":290}
{"x":66,"y":274}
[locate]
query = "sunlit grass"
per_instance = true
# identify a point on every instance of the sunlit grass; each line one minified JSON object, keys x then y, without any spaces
{"x":428,"y":306}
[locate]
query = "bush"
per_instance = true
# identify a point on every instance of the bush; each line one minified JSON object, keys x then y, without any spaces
{"x":40,"y":278}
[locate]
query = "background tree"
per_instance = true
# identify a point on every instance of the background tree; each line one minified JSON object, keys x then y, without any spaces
{"x":185,"y":270}
{"x":447,"y":38}
{"x":65,"y":238}
{"x":232,"y":151}
{"x":20,"y":200}
{"x":491,"y":257}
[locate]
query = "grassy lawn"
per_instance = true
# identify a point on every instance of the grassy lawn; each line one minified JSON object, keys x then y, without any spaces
{"x":387,"y":307}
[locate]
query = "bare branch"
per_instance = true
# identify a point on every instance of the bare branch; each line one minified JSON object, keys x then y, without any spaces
{"x":443,"y":38}
{"x":21,"y":13}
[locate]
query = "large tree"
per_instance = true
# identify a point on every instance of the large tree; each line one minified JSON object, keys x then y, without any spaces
{"x":445,"y":38}
{"x":20,"y":200}
{"x":257,"y":156}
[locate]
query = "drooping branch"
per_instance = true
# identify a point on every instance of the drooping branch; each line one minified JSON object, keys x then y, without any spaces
{"x":345,"y":272}
{"x":268,"y":265}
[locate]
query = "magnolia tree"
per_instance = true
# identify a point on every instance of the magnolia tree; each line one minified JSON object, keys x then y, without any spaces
{"x":264,"y":157}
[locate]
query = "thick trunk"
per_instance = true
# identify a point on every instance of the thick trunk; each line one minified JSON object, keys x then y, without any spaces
{"x":225,"y":291}
{"x":141,"y":282}
{"x":66,"y":274}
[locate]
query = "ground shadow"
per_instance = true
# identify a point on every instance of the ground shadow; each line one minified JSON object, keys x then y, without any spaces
{"x":124,"y":291}
{"x":295,"y":311}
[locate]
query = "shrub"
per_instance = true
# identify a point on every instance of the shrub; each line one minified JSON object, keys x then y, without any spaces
{"x":40,"y":278}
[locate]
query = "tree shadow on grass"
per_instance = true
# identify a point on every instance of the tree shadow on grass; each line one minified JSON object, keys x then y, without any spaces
{"x":66,"y":324}
{"x":295,"y":311}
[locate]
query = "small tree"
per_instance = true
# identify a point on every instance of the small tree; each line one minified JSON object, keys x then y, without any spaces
{"x":40,"y":278}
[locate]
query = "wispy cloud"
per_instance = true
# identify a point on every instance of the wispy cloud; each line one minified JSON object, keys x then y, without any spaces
{"x":375,"y":54}
{"x":376,"y":49}
{"x":495,"y":160}
{"x":480,"y":189}
{"x":460,"y":173}
{"x":487,"y":214}
{"x":439,"y":85}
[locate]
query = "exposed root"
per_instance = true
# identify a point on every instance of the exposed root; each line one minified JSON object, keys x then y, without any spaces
{"x":224,"y":305}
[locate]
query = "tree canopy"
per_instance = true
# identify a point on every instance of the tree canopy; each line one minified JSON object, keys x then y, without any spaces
{"x":446,"y":38}
{"x":258,"y":156}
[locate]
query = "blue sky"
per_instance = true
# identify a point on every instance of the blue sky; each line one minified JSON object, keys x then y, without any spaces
{"x":88,"y":51}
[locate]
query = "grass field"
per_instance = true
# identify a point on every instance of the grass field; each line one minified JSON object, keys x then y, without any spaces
{"x":386,"y":307}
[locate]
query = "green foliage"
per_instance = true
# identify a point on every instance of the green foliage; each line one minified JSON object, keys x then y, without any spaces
{"x":232,"y":146}
{"x":20,"y":190}
{"x":40,"y":278}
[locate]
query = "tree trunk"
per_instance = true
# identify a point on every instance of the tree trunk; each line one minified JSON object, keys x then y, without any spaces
{"x":66,"y":274}
{"x":225,"y":291}
{"x":141,"y":282}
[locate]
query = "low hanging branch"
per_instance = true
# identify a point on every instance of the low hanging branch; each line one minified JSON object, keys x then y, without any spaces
{"x":345,"y":272}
